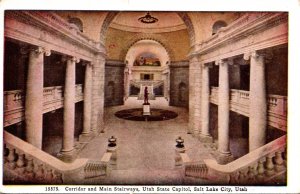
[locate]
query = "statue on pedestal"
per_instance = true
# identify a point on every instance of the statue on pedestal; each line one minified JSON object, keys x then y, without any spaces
{"x":146,"y":93}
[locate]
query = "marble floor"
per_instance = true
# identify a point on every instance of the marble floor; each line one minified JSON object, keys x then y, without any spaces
{"x":146,"y":150}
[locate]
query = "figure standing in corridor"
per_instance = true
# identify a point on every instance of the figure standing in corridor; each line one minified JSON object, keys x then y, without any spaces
{"x":146,"y":95}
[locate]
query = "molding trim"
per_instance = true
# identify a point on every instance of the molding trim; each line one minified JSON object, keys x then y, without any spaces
{"x":115,"y":63}
{"x":179,"y":64}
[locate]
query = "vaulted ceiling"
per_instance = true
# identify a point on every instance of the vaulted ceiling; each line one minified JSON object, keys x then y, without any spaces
{"x":166,"y":22}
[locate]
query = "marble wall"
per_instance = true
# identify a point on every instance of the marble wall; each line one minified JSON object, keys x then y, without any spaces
{"x":114,"y":83}
{"x":179,"y":84}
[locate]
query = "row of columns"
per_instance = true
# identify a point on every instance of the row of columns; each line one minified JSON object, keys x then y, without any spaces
{"x":257,"y":108}
{"x":34,"y":100}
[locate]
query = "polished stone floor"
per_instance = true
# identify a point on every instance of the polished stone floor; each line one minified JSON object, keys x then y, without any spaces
{"x":146,"y":149}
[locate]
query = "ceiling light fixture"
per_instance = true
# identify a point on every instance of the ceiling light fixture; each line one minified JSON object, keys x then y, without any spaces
{"x":148,"y":19}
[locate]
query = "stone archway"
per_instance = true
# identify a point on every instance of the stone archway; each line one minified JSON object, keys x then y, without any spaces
{"x":159,"y":73}
{"x":139,"y":37}
{"x":183,"y":15}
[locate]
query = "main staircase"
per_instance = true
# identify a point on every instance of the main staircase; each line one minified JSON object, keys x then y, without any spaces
{"x":26,"y":164}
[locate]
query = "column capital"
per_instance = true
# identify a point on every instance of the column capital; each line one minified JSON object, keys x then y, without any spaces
{"x":207,"y":65}
{"x":267,"y":54}
{"x":42,"y":50}
{"x":248,"y":55}
{"x":24,"y":50}
{"x":74,"y":59}
{"x":194,"y":59}
{"x":87,"y":63}
{"x":221,"y":62}
{"x":100,"y":57}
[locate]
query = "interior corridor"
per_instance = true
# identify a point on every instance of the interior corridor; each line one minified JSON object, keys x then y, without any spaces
{"x":146,"y":150}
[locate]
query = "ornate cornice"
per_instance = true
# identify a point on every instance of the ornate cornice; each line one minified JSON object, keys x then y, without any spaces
{"x":243,"y":32}
{"x":50,"y":24}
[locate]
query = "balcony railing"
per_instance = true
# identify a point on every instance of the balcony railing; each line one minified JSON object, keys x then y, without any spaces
{"x":155,"y":83}
{"x":240,"y":99}
{"x":14,"y":102}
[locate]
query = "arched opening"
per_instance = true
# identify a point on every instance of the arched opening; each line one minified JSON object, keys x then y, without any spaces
{"x":118,"y":33}
{"x":146,"y":62}
{"x":77,"y":22}
{"x":217,"y":26}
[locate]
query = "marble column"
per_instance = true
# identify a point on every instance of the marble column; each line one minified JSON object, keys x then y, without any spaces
{"x":205,"y":103}
{"x":98,"y":94}
{"x":258,"y":102}
{"x":166,"y":85}
{"x":69,"y":106}
{"x":34,"y":97}
{"x":87,"y":97}
{"x":194,"y":96}
{"x":126,"y":83}
{"x":129,"y":80}
{"x":223,"y":109}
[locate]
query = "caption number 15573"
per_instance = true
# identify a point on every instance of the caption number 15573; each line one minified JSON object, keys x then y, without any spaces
{"x":52,"y":189}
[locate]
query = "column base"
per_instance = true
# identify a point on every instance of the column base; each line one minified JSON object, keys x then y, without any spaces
{"x":205,"y":138}
{"x":223,"y":158}
{"x":85,"y":137}
{"x":94,"y":133}
{"x":67,"y":156}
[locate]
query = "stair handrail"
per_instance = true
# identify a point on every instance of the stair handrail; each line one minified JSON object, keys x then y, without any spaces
{"x":68,"y":170}
{"x":247,"y":160}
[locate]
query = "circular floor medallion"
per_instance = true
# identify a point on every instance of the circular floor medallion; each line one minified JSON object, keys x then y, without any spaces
{"x":136,"y":114}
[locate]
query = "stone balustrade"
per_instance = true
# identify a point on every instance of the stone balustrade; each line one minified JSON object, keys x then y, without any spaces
{"x":266,"y":164}
{"x":24,"y":163}
{"x":52,"y":100}
{"x":155,"y":83}
{"x":239,"y":102}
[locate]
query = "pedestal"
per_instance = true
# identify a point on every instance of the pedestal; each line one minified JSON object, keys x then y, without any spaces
{"x":146,"y":109}
{"x":113,"y":159}
{"x":86,"y":137}
{"x":178,"y":159}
